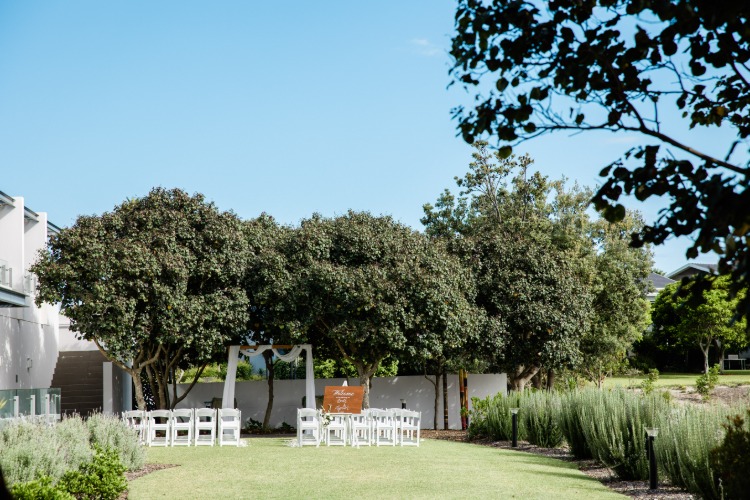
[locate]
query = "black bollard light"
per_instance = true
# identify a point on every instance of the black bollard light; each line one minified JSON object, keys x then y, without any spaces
{"x":653,"y":479}
{"x":403,"y":404}
{"x":514,"y":416}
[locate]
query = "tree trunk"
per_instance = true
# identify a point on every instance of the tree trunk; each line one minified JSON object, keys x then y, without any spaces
{"x":140,"y":399}
{"x":445,"y":398}
{"x":365,"y":373}
{"x":437,"y":396}
{"x":722,"y":349}
{"x":268,"y":358}
{"x":704,"y":350}
{"x":550,"y":379}
{"x":522,"y":377}
{"x":536,"y":380}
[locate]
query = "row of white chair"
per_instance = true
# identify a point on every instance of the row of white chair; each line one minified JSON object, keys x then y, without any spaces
{"x":183,"y":427}
{"x":372,"y":426}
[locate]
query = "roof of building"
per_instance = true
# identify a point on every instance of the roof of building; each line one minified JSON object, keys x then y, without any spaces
{"x":693,"y":268}
{"x":659,"y":281}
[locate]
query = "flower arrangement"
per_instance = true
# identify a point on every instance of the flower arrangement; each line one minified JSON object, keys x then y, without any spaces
{"x":325,"y":416}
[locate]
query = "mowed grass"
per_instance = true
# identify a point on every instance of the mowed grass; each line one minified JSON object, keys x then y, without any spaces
{"x":735,"y":377}
{"x":270,"y":468}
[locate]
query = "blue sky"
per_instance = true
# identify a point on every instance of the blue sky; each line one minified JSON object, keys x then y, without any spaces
{"x":289,"y":108}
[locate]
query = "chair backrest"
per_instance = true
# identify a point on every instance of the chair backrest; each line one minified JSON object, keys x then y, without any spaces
{"x":229,"y":413}
{"x":308,"y":413}
{"x":205,"y":414}
{"x":182,"y":414}
{"x":153,"y":414}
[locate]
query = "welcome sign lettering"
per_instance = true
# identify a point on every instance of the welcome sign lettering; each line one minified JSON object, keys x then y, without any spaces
{"x":343,"y":399}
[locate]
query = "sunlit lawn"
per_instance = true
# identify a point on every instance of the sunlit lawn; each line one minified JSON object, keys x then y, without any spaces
{"x":269,"y":468}
{"x":734,"y":377}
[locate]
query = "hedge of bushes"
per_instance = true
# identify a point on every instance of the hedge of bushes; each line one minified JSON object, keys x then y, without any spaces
{"x":609,"y":427}
{"x":72,"y":459}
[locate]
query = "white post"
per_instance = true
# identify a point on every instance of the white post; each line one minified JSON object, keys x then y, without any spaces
{"x":15,"y":406}
{"x":46,"y":405}
{"x":32,"y":410}
{"x":107,"y":407}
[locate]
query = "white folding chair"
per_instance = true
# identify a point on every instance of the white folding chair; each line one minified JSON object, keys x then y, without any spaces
{"x":205,"y":427}
{"x":360,"y":429}
{"x":136,"y":419}
{"x":230,"y":424}
{"x":308,"y":427}
{"x":336,"y":431}
{"x":410,"y":423}
{"x":383,"y":427}
{"x":159,"y":427}
{"x":182,"y":427}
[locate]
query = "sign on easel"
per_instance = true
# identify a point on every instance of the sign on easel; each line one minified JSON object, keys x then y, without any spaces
{"x":343,"y":399}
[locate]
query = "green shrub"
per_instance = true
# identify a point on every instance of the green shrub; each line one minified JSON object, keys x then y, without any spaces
{"x":101,"y":479}
{"x":687,"y":435}
{"x":731,"y":459}
{"x":540,"y":415}
{"x":41,"y":488}
{"x":492,"y":418}
{"x":707,"y":381}
{"x":614,"y":429}
{"x":108,"y":431}
{"x":570,"y":419}
{"x":648,"y":383}
{"x":30,"y":451}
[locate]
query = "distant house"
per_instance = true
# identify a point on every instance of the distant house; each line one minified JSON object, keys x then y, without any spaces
{"x":692,"y":268}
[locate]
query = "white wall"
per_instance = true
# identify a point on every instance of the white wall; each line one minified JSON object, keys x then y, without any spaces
{"x":386,"y":392}
{"x":25,"y":332}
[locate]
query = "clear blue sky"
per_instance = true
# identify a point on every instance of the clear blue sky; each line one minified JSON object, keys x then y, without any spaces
{"x":289,"y":108}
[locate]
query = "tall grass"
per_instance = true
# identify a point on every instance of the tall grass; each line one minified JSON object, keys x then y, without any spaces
{"x":108,"y":431}
{"x":492,"y":417}
{"x":686,"y":437}
{"x":571,"y":407}
{"x":541,"y":417}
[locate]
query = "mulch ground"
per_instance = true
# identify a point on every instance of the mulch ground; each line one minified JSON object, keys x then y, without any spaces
{"x":633,"y":489}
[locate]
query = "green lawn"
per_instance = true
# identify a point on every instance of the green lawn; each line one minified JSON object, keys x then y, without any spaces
{"x":734,"y":377}
{"x":269,"y":468}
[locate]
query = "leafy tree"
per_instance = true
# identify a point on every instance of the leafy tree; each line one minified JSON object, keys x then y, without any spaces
{"x":155,"y":284}
{"x":624,"y":65}
{"x":702,"y":323}
{"x":372,"y":288}
{"x":620,"y":284}
{"x":535,"y":298}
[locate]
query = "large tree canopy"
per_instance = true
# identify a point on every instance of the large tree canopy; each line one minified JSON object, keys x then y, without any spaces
{"x":156,"y":284}
{"x":374,"y":289}
{"x":624,"y":65}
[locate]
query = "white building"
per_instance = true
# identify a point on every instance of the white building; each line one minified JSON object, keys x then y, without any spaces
{"x":37,"y":350}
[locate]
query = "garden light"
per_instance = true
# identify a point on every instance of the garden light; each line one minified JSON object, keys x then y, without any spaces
{"x":651,"y":433}
{"x":514,"y":414}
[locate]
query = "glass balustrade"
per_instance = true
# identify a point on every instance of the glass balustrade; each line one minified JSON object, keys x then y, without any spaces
{"x":30,"y":403}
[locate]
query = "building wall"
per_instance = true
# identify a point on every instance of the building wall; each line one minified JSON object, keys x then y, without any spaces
{"x":29,"y":335}
{"x":386,"y":392}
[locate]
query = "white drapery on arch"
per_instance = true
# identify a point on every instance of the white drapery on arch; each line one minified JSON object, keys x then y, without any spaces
{"x":234,"y":354}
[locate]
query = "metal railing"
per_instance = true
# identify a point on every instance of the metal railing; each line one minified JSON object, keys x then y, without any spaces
{"x":6,"y":274}
{"x":41,"y":404}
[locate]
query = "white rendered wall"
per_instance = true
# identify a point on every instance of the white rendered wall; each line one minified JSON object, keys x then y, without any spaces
{"x":26,"y":333}
{"x":386,"y":392}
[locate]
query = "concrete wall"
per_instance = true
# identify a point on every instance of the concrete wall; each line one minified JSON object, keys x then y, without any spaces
{"x":29,"y":336}
{"x":386,"y":392}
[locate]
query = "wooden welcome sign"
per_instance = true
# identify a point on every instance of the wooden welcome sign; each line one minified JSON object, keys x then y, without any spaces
{"x":343,"y":399}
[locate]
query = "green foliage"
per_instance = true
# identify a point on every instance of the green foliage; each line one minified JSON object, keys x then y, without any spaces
{"x":101,"y":479}
{"x":622,"y":65}
{"x":707,"y":382}
{"x":41,"y":488}
{"x":647,"y":385}
{"x":370,"y":288}
{"x":491,"y":417}
{"x":541,"y":416}
{"x":700,"y":320}
{"x":31,"y":451}
{"x":687,"y":435}
{"x":109,"y":432}
{"x":731,"y":459}
{"x":613,"y":426}
{"x":571,"y":420}
{"x":155,"y":282}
